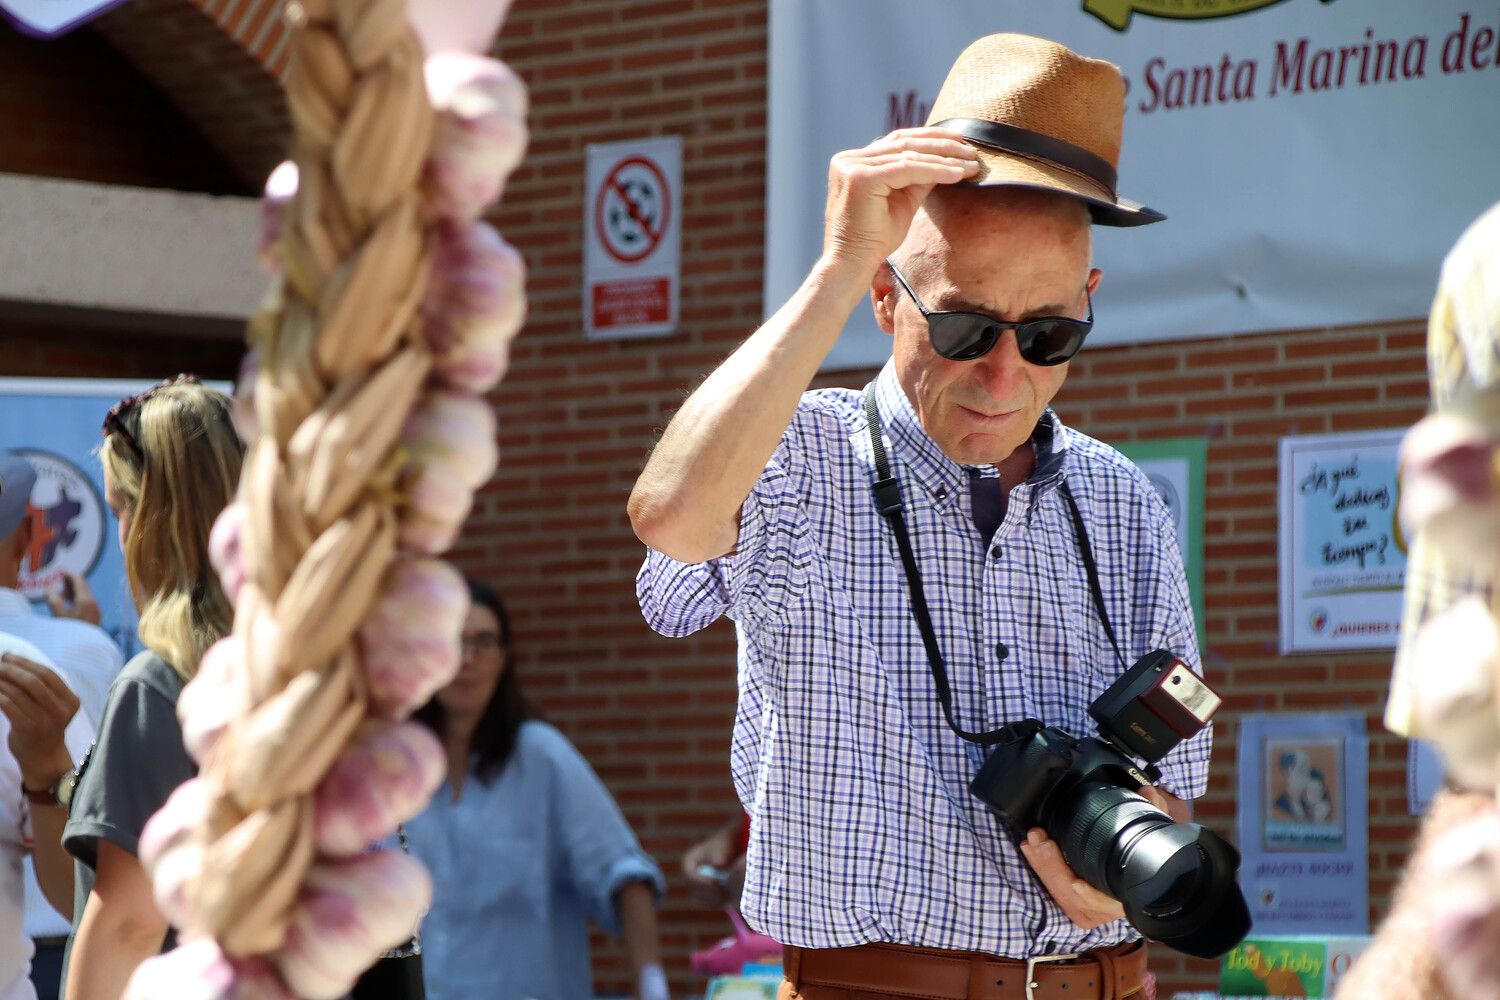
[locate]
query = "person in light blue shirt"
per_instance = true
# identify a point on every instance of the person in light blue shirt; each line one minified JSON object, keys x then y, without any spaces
{"x":524,"y":843}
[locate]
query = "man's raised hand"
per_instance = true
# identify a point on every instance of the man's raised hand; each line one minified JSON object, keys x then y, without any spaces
{"x":874,"y":192}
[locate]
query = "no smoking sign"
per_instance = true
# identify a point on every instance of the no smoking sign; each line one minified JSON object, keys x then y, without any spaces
{"x":632,"y":238}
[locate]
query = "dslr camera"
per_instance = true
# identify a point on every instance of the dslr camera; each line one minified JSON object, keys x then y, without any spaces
{"x":1177,"y":881}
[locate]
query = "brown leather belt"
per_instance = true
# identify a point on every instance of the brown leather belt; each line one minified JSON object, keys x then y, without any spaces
{"x":931,"y":974}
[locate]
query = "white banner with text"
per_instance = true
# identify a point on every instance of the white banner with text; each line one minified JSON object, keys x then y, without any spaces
{"x":1315,"y":158}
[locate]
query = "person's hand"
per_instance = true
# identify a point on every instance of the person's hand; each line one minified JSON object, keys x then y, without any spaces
{"x":717,"y":852}
{"x":39,"y":706}
{"x":874,"y":192}
{"x":74,"y":599}
{"x":1085,"y":906}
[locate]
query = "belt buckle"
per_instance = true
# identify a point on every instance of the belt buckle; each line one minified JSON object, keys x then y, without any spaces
{"x":1034,"y":961}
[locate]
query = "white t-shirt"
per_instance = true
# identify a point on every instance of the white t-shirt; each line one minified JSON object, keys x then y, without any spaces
{"x":84,"y":655}
{"x":87,"y":660}
{"x":15,"y":843}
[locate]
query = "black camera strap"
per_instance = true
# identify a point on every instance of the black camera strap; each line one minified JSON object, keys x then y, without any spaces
{"x":888,"y":501}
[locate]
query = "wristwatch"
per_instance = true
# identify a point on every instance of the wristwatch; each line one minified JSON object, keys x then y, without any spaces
{"x":60,"y":793}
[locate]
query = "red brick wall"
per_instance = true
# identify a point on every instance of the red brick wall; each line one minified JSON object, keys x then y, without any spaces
{"x":577,"y":419}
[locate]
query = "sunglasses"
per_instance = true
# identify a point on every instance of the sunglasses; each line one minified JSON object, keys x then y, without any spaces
{"x":115,"y":419}
{"x":965,"y":336}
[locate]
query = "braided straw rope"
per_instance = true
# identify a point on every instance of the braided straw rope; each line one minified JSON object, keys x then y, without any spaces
{"x":342,"y":367}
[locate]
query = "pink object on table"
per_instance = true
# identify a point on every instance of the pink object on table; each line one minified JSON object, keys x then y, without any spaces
{"x":733,"y":953}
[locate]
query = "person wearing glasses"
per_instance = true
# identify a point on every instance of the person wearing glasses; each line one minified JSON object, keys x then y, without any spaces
{"x":524,"y":843}
{"x":171,"y":462}
{"x":868,"y":857}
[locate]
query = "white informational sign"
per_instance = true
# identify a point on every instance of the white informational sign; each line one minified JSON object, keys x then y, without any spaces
{"x":1304,"y":823}
{"x":1342,"y":555}
{"x":1315,"y":160}
{"x":50,"y":18}
{"x":632,"y":238}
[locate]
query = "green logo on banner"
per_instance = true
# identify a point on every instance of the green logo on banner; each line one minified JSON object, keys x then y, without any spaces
{"x":1116,"y":13}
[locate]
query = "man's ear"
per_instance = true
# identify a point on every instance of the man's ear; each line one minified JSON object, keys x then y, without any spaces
{"x":1094,"y":275}
{"x":883,"y":297}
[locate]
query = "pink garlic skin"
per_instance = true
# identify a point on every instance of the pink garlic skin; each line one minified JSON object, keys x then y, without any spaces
{"x":409,"y":643}
{"x":1448,"y":497}
{"x":216,"y":695}
{"x":377,"y":783}
{"x":170,"y":852}
{"x":198,"y":970}
{"x":224,"y":548}
{"x":480,"y":133}
{"x":349,"y":912}
{"x":242,"y":407}
{"x":475,"y":305}
{"x":450,"y":438}
{"x":281,"y":187}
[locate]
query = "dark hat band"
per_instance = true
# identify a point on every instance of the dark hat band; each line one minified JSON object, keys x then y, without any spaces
{"x":1011,"y":139}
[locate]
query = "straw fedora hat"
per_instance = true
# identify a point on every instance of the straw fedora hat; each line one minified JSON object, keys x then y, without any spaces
{"x":1042,"y":116}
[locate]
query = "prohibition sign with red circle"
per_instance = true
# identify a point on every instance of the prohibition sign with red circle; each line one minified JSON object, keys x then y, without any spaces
{"x":630,"y":213}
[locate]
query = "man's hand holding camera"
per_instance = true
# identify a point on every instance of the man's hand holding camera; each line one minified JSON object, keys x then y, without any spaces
{"x":1085,"y":906}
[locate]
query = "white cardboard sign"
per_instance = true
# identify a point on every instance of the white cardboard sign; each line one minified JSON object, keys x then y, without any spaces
{"x":1342,"y":554}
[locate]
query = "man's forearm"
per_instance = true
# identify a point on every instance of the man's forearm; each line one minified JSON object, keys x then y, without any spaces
{"x":54,"y":866}
{"x":686,"y":502}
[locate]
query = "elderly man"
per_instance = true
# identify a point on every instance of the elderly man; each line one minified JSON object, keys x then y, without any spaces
{"x":869,"y":859}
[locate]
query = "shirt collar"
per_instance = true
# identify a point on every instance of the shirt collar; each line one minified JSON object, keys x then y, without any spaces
{"x":13,"y":602}
{"x":935,"y":470}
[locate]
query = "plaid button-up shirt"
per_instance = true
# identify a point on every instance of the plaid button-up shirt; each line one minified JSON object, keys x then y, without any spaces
{"x":863,"y":828}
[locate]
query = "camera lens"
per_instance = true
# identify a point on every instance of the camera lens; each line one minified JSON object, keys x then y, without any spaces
{"x":1175,"y":880}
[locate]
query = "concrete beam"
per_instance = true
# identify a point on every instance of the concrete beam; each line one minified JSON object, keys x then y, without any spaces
{"x":131,"y":250}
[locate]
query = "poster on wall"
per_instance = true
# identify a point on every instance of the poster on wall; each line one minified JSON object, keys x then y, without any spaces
{"x":54,"y":424}
{"x":1265,"y":131}
{"x":632,"y":258}
{"x":1342,"y":554}
{"x":1304,"y":822}
{"x":1178,"y":468}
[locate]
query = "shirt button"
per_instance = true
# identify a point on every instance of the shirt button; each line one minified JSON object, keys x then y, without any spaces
{"x":941,"y":493}
{"x":995,"y":553}
{"x":1001,"y":651}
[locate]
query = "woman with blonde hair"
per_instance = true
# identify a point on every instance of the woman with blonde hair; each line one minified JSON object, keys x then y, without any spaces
{"x":171,"y":464}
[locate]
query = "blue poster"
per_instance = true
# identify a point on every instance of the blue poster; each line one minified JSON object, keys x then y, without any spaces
{"x":1304,"y":823}
{"x":55,"y":424}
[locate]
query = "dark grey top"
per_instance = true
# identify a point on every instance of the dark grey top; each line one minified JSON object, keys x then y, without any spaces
{"x":137,"y":761}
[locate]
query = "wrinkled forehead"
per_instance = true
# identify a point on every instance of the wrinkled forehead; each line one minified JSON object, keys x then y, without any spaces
{"x":1000,"y":221}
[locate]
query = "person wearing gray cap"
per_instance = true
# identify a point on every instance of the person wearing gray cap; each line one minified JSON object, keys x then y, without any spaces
{"x":86,"y":660}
